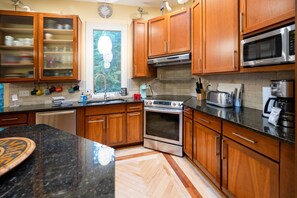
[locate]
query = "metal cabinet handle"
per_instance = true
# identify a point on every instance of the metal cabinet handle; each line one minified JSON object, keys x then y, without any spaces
{"x":216,"y":142}
{"x":206,"y":121}
{"x":240,"y":21}
{"x":133,"y":114}
{"x":222,"y":156}
{"x":244,"y":138}
{"x":138,"y":107}
{"x":56,"y":113}
{"x":234,"y":65}
{"x":95,"y":121}
{"x":9,"y":119}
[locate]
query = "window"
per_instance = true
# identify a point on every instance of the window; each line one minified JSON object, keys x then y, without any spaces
{"x":106,"y":57}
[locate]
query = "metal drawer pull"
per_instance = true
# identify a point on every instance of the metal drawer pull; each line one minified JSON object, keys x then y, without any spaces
{"x":138,"y":107}
{"x":95,"y":121}
{"x":216,"y":142}
{"x":206,"y":121}
{"x":134,"y":114}
{"x":9,"y":119}
{"x":246,"y":139}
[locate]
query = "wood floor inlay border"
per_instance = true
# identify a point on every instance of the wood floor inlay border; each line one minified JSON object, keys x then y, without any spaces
{"x":182,"y":176}
{"x":136,"y":155}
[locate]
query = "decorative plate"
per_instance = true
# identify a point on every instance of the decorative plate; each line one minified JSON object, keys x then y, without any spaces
{"x":13,"y":151}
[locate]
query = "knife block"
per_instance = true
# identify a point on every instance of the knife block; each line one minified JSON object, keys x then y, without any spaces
{"x":201,"y":96}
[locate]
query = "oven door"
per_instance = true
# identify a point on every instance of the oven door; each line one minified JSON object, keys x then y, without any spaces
{"x":163,"y":124}
{"x":265,"y":49}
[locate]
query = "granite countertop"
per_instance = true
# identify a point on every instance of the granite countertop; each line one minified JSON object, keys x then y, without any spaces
{"x":62,"y":165}
{"x":50,"y":107}
{"x":245,"y":117}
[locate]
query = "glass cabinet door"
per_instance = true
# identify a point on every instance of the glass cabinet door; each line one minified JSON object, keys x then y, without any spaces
{"x":18,"y":46}
{"x":58,"y":49}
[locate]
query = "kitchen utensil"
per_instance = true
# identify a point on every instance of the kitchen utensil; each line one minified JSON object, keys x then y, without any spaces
{"x":219,"y":98}
{"x":230,"y":87}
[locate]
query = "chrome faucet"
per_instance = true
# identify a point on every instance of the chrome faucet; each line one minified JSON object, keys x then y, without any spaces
{"x":104,"y":78}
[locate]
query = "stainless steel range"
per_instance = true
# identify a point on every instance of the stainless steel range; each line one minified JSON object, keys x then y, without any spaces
{"x":163,"y":124}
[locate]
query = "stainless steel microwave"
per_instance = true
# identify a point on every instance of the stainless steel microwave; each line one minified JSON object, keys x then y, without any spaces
{"x":270,"y":48}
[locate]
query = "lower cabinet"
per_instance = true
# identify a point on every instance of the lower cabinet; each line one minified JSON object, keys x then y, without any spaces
{"x":245,"y":173}
{"x":207,"y":152}
{"x":134,"y":127}
{"x":188,"y":137}
{"x":115,"y":125}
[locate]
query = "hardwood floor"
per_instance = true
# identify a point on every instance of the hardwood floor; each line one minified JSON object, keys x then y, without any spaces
{"x":142,"y":172}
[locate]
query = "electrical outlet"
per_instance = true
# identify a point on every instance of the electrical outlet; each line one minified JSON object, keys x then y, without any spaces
{"x":24,"y":93}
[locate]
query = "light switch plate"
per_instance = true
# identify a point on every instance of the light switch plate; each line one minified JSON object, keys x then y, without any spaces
{"x":23,"y":93}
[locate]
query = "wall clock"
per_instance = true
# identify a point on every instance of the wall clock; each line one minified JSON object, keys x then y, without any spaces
{"x":105,"y":10}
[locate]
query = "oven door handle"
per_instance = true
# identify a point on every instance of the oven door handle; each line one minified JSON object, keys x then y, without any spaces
{"x":160,"y":110}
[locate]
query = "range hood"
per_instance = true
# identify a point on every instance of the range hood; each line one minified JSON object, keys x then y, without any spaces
{"x":170,"y":60}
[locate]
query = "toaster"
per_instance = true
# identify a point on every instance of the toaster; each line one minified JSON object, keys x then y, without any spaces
{"x":219,"y":98}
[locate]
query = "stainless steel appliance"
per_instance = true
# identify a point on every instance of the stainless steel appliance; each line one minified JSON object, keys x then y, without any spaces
{"x":163,"y":123}
{"x":274,"y":47}
{"x":284,"y":92}
{"x":170,"y":60}
{"x":219,"y":98}
{"x":64,"y":120}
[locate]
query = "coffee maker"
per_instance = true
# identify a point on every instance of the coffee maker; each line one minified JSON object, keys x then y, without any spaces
{"x":284,"y":92}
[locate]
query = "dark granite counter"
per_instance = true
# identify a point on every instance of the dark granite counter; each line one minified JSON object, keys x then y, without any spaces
{"x":62,"y":165}
{"x":49,"y":107}
{"x":245,"y":117}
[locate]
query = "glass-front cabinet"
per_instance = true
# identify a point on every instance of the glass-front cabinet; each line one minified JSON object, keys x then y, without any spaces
{"x":39,"y":47}
{"x":18,"y":46}
{"x":58,"y":47}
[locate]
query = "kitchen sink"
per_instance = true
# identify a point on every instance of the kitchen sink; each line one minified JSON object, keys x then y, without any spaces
{"x":109,"y":101}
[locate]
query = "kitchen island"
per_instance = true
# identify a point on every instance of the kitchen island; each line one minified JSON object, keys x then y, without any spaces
{"x":62,"y":165}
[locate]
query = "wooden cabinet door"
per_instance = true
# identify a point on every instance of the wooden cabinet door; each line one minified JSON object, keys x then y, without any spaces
{"x":179,"y":31}
{"x":134,"y":127}
{"x":157,"y":36}
{"x":246,"y":173}
{"x":95,"y":128}
{"x":255,"y":15}
{"x":220,"y":19}
{"x":116,"y":129}
{"x":207,"y":152}
{"x":197,"y":42}
{"x":140,"y":66}
{"x":188,"y":137}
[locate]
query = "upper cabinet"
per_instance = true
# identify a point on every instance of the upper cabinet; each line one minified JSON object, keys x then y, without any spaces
{"x":18,"y":46}
{"x":220,"y":33}
{"x":169,"y":34}
{"x":58,"y":47}
{"x":140,"y":66}
{"x":257,"y":15}
{"x":38,"y":47}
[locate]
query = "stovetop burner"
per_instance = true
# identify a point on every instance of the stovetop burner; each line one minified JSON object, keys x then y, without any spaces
{"x":166,"y":101}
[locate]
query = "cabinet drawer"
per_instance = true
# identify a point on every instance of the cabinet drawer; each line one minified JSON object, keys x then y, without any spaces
{"x":134,"y":107}
{"x":106,"y":109}
{"x":188,"y":112}
{"x":12,"y":119}
{"x":207,"y":120}
{"x":260,"y":143}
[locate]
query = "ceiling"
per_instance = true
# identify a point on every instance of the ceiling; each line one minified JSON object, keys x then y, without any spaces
{"x":138,"y":3}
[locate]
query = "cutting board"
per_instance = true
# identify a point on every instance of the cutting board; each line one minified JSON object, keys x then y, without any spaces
{"x":13,"y":151}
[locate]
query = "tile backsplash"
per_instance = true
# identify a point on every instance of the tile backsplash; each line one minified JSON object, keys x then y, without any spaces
{"x":170,"y":80}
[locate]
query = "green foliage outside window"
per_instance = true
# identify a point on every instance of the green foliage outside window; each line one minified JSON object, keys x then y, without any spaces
{"x":113,"y":73}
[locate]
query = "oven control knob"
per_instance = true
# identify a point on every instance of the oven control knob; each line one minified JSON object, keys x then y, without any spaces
{"x":174,"y":104}
{"x":150,"y":102}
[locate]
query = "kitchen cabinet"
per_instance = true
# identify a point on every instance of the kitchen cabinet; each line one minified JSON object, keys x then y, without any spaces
{"x":207,"y":146}
{"x":188,"y":132}
{"x":106,"y":124}
{"x":245,"y":173}
{"x":169,"y":34}
{"x":134,"y":123}
{"x":220,"y":33}
{"x":249,"y":163}
{"x":18,"y":46}
{"x":287,"y":170}
{"x":258,"y":15}
{"x":58,"y":47}
{"x":15,"y":119}
{"x":39,"y":47}
{"x":140,"y":66}
{"x":197,"y":39}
